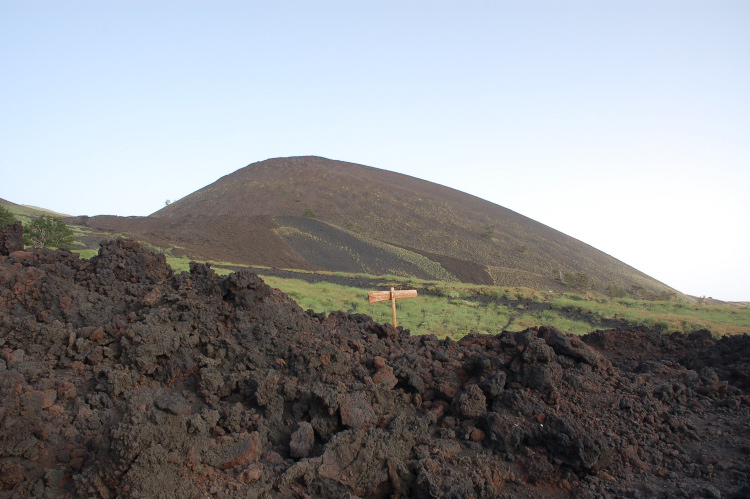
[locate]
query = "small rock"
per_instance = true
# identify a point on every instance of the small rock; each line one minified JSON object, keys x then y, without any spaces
{"x":36,"y":400}
{"x":472,"y":402}
{"x":356,"y":412}
{"x":63,"y":456}
{"x":302,"y":440}
{"x":438,"y":408}
{"x":712,"y":492}
{"x":43,"y":431}
{"x":76,"y":463}
{"x":477,"y":435}
{"x":173,"y":403}
{"x":252,"y":474}
{"x":152,"y":298}
{"x":95,"y":356}
{"x":494,"y":385}
{"x":97,"y":334}
{"x":385,"y":375}
{"x":235,"y":450}
{"x":14,"y":357}
{"x":272,"y":457}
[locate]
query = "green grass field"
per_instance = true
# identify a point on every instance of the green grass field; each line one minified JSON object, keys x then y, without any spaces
{"x":454,"y":310}
{"x":666,"y":316}
{"x":442,"y":316}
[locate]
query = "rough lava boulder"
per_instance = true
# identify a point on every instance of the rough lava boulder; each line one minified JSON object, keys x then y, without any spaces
{"x":11,"y":238}
{"x":120,"y":379}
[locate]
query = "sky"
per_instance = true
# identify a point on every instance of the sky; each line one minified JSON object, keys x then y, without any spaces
{"x":624,"y":124}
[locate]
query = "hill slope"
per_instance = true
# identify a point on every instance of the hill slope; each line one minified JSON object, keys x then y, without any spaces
{"x":416,"y":216}
{"x":26,"y":212}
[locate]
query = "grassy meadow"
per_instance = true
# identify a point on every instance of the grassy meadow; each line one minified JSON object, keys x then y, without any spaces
{"x":439,"y":315}
{"x":454,"y":310}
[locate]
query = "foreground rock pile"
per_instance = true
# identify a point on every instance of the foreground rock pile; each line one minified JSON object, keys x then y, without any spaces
{"x":11,"y":238}
{"x":120,"y":379}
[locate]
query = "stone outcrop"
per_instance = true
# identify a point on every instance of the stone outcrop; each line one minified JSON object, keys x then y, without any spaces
{"x":11,"y":238}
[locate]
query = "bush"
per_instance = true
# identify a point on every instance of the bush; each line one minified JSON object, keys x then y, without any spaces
{"x":489,"y":233}
{"x":6,"y":216}
{"x":616,"y":291}
{"x":309,"y":213}
{"x":48,"y":231}
{"x":577,"y":280}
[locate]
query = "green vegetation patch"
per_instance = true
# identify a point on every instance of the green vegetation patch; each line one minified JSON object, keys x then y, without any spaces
{"x":48,"y":231}
{"x":422,"y":315}
{"x":667,"y":316}
{"x":86,"y":253}
{"x":181,"y":264}
{"x":549,"y":318}
{"x":6,"y":216}
{"x":456,"y":309}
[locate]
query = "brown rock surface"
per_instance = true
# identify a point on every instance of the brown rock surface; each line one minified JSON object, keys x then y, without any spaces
{"x":142,"y":382}
{"x":11,"y":238}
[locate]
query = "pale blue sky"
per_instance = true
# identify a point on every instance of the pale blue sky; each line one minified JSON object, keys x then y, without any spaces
{"x":625,"y":124}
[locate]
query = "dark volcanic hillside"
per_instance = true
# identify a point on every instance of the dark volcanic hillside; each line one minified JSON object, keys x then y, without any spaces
{"x":232,"y":239}
{"x":409,"y":218}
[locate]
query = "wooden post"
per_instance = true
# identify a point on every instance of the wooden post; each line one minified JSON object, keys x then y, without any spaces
{"x":393,"y":306}
{"x":392,"y":295}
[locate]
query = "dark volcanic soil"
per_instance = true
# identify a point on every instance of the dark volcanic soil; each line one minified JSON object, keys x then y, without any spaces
{"x":120,"y":379}
{"x":243,"y":240}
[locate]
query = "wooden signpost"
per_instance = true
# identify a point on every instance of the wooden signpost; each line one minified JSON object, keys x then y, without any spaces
{"x":392,"y":295}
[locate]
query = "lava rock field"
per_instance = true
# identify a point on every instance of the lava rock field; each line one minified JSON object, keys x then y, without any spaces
{"x":119,"y":378}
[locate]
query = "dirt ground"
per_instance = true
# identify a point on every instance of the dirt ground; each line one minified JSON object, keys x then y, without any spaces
{"x":120,"y":379}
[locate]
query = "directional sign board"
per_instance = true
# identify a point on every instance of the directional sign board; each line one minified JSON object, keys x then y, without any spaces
{"x":392,"y":295}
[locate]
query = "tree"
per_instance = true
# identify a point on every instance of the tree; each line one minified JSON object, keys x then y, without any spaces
{"x":578,"y":280}
{"x":6,"y":216}
{"x":48,"y":231}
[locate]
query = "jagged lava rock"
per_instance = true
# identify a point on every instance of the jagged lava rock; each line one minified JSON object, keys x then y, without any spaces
{"x":11,"y":238}
{"x":119,"y":378}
